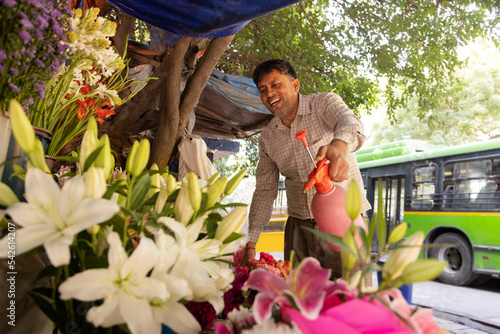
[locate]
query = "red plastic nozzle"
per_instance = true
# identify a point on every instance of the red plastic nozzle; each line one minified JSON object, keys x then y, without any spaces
{"x":302,"y":136}
{"x":319,"y":178}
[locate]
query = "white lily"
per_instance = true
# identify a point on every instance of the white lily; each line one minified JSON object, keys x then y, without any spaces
{"x":124,"y":286}
{"x":400,"y":258}
{"x":233,"y":222}
{"x":53,"y":216}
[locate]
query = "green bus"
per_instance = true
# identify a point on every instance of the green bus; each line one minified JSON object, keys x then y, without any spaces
{"x":452,"y":194}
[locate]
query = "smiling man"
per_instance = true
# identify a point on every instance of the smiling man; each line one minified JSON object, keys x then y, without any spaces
{"x":333,"y":131}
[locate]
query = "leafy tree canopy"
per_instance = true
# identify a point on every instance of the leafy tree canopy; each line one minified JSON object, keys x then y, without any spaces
{"x":468,"y":112}
{"x":346,"y":46}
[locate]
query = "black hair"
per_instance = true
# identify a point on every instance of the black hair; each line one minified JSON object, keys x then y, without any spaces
{"x":268,"y":66}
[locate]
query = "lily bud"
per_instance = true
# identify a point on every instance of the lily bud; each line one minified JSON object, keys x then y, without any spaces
{"x":105,"y":158}
{"x":155,"y":181}
{"x":353,"y":200}
{"x":7,"y":196}
{"x":171,"y":184}
{"x":37,"y":157}
{"x":400,"y":258}
{"x":423,"y":270}
{"x":183,"y":209}
{"x":398,"y":233}
{"x":162,"y":196}
{"x":215,"y":191}
{"x":233,"y":222}
{"x":89,"y":142}
{"x":349,"y":260}
{"x":234,"y":182}
{"x":194,"y":190}
{"x":95,"y":183}
{"x":138,"y":160}
{"x":93,"y":230}
{"x":213,"y":178}
{"x":21,"y":127}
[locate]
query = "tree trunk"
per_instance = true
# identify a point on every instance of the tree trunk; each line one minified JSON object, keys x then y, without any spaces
{"x":175,"y":108}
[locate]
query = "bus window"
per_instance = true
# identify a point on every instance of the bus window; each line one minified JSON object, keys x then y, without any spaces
{"x":423,"y":187}
{"x":472,"y":184}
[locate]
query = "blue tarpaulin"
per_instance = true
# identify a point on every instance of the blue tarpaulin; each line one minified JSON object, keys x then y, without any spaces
{"x":235,"y":99}
{"x":199,"y":18}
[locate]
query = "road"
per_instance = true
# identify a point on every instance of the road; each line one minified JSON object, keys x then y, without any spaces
{"x":477,"y":307}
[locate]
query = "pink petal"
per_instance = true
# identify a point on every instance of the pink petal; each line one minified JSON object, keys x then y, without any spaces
{"x":266,"y":282}
{"x":376,"y":318}
{"x":425,"y":321}
{"x":262,"y":307}
{"x":312,"y":305}
{"x":323,"y":324}
{"x":311,"y":277}
{"x":221,"y":328}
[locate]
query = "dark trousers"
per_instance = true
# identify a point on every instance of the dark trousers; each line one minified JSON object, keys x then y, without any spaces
{"x":305,"y":244}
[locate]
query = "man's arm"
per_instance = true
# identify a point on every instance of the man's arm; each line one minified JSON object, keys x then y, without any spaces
{"x":266,"y":190}
{"x":348,"y":136}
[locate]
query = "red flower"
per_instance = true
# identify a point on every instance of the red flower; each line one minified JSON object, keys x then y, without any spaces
{"x":103,"y":113}
{"x":85,"y":89}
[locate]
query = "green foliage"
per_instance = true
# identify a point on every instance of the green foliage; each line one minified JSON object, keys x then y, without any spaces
{"x":248,"y":159}
{"x":345,"y":46}
{"x":467,"y":113}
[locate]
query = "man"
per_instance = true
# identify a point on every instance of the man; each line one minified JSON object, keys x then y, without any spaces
{"x":333,"y":132}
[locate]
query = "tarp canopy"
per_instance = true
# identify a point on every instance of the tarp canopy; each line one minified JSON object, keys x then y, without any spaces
{"x":230,"y":107}
{"x":200,"y":18}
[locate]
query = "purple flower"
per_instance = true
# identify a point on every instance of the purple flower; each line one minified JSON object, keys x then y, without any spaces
{"x":9,"y":3}
{"x":14,"y":88}
{"x":38,"y":33}
{"x":27,"y":24}
{"x":14,"y":71}
{"x":15,"y":54}
{"x":1,"y":68}
{"x":22,"y":15}
{"x":54,"y":67}
{"x":50,"y":48}
{"x":25,"y":67}
{"x":40,"y":88}
{"x":39,"y":63}
{"x":42,"y":22}
{"x":30,"y":54}
{"x":25,"y":36}
{"x":3,"y":55}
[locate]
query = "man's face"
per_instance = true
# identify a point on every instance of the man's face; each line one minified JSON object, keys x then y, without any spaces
{"x":278,"y":92}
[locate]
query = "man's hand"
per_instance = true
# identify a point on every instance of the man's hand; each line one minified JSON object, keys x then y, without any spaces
{"x":337,"y":152}
{"x":249,"y":254}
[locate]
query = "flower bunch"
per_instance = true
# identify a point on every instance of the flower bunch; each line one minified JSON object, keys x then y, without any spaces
{"x":88,"y":227}
{"x":32,"y":47}
{"x":87,"y":86}
{"x":306,"y":301}
{"x":267,"y":262}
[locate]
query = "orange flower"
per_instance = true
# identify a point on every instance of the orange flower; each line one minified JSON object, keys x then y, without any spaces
{"x":83,"y":106}
{"x":103,"y":113}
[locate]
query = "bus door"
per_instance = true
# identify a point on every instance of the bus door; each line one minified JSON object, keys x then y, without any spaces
{"x":393,"y":195}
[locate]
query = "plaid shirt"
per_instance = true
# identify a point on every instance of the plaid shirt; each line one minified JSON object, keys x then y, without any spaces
{"x":325,"y":117}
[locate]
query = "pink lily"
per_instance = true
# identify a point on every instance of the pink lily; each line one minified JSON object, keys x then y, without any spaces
{"x":306,"y":286}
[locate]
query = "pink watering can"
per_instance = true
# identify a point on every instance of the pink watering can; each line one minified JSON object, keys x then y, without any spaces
{"x":328,"y":204}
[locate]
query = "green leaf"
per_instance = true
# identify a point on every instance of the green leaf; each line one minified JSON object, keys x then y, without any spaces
{"x":138,"y":192}
{"x":211,"y":228}
{"x":333,"y":239}
{"x":234,"y":236}
{"x":91,"y":158}
{"x":45,"y":305}
{"x":381,"y":221}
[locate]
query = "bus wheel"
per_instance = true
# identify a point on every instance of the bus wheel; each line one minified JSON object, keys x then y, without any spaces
{"x":456,"y":251}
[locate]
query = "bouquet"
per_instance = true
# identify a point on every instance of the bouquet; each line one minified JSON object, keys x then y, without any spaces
{"x":88,"y":85}
{"x":32,"y":47}
{"x":125,"y":250}
{"x":306,"y":301}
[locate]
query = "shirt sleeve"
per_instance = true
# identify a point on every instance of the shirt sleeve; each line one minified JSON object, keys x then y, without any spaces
{"x":346,"y":126}
{"x":266,"y":190}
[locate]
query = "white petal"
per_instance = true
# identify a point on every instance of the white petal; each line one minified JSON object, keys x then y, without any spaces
{"x":116,"y":254}
{"x":207,"y":248}
{"x":178,"y":288}
{"x":58,"y":250}
{"x":25,"y":214}
{"x":40,"y":187}
{"x":137,"y":314}
{"x":193,"y":230}
{"x":149,"y":288}
{"x":89,"y":285}
{"x":28,"y":238}
{"x":91,"y":211}
{"x":72,"y":196}
{"x":178,"y":228}
{"x":142,"y":260}
{"x":106,"y":315}
{"x":178,"y":318}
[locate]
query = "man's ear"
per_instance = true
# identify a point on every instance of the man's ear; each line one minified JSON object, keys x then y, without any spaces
{"x":296,"y":85}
